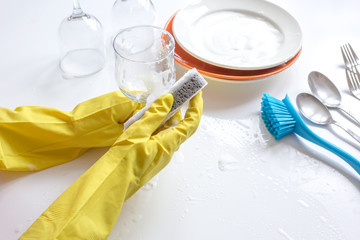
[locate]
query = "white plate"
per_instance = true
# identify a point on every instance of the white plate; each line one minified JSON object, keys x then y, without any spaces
{"x":238,"y":34}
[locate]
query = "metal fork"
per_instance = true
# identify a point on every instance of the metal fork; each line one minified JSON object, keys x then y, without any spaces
{"x":353,"y":80}
{"x":349,"y":55}
{"x":352,"y":73}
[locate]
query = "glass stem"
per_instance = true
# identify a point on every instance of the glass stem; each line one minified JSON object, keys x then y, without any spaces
{"x":77,"y":11}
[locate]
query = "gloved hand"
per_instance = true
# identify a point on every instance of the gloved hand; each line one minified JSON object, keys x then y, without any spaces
{"x":34,"y":138}
{"x":89,"y":208}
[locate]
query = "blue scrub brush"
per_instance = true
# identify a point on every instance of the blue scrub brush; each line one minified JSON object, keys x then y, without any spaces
{"x":281,"y":118}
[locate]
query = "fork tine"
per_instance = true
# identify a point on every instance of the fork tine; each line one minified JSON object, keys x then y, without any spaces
{"x":357,"y":78}
{"x":353,"y":80}
{"x":353,"y":54}
{"x":345,"y":56}
{"x":350,"y":54}
{"x":349,"y":79}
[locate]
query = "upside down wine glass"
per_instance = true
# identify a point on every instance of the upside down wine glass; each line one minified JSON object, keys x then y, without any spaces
{"x":82,"y":46}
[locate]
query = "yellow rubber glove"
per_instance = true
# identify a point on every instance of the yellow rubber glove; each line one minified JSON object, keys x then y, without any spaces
{"x":34,"y":138}
{"x":89,"y":208}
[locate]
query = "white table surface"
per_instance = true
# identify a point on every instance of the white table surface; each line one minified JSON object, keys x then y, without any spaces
{"x":231,"y":180}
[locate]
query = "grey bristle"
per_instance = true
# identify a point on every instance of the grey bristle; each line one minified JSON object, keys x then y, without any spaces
{"x":183,"y":90}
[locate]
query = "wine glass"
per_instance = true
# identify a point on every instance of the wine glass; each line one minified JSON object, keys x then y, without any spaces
{"x":144,"y":62}
{"x":82,"y":45}
{"x":129,"y":13}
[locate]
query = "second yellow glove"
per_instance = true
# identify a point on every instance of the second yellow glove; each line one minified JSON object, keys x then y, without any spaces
{"x":89,"y":208}
{"x":34,"y":138}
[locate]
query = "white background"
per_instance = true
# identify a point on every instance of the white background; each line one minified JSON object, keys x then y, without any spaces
{"x":231,"y":180}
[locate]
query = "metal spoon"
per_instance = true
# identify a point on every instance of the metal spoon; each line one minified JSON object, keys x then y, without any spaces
{"x":326,"y":91}
{"x":315,"y":111}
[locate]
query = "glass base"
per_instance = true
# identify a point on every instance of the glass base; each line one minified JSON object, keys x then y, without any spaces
{"x":141,"y":98}
{"x":82,"y":62}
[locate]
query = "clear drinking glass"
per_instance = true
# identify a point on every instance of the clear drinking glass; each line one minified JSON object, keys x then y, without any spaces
{"x":144,"y":61}
{"x":129,"y":13}
{"x":82,"y":45}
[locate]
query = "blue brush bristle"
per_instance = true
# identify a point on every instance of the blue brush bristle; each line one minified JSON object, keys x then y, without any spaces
{"x":278,"y":120}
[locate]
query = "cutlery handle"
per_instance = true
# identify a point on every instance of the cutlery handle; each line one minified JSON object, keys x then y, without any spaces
{"x":306,"y":133}
{"x":347,"y":112}
{"x":351,"y":133}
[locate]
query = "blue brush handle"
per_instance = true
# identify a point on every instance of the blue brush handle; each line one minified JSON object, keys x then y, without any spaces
{"x":302,"y":130}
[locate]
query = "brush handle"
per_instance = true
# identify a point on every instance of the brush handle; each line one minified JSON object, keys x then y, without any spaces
{"x":312,"y":137}
{"x":302,"y":130}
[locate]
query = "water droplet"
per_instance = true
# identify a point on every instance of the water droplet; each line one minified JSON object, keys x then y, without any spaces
{"x":179,"y":157}
{"x":303,"y":203}
{"x":151,"y":184}
{"x":323,"y":219}
{"x":192,"y":199}
{"x":284,"y":234}
{"x":227,"y":162}
{"x":136,"y":218}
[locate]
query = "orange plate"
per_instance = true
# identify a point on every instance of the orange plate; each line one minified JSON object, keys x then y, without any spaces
{"x":188,"y":61}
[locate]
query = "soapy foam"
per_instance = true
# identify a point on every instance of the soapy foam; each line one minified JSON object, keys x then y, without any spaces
{"x":255,"y":184}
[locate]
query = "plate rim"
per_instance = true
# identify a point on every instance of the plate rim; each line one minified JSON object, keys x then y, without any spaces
{"x":295,"y":27}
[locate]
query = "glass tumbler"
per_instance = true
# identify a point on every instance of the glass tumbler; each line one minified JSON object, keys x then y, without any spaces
{"x":144,"y":61}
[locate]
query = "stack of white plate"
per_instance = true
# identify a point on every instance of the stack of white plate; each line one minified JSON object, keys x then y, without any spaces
{"x":235,"y":40}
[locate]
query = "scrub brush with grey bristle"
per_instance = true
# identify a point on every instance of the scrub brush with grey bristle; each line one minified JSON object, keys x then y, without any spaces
{"x":183,"y":90}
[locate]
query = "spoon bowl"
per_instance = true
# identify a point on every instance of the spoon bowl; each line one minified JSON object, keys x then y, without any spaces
{"x":313,"y":109}
{"x":324,"y":89}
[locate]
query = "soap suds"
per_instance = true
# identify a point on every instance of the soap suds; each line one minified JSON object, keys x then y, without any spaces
{"x":236,"y":38}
